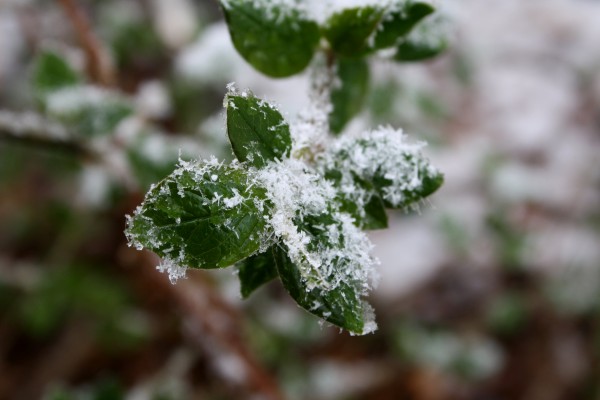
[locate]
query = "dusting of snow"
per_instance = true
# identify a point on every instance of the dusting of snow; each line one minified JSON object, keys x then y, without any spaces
{"x":340,"y":253}
{"x":176,"y":21}
{"x":311,"y":128}
{"x":152,"y":100}
{"x":172,"y":247}
{"x":171,"y":267}
{"x":431,"y":32}
{"x":322,"y":10}
{"x":275,"y":10}
{"x":317,"y":10}
{"x":31,"y":124}
{"x":94,"y":186}
{"x":333,"y":253}
{"x":75,"y":98}
{"x":382,"y":153}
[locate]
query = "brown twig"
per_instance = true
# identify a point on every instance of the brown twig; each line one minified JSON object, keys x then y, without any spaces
{"x":213,"y":317}
{"x":98,"y":64}
{"x":33,"y":130}
{"x":207,"y":312}
{"x":223,"y":329}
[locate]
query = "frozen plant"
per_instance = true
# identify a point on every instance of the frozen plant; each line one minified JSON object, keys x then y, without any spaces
{"x":296,"y":202}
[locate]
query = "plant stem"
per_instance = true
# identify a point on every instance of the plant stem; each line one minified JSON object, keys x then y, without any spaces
{"x":33,"y":130}
{"x":98,"y":65}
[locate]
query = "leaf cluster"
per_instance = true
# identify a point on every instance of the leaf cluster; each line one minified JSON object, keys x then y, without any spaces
{"x":279,"y":217}
{"x":280,"y":40}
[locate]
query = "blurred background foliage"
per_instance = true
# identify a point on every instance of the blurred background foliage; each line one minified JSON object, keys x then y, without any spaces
{"x":493,"y":292}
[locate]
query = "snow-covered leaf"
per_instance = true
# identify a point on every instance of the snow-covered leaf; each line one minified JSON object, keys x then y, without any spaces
{"x":341,"y":306}
{"x":255,"y":271}
{"x":51,"y":73}
{"x":204,"y":215}
{"x":395,"y":169}
{"x":399,"y":20}
{"x":369,"y":213}
{"x":424,"y":42}
{"x":257,"y":131}
{"x":348,"y":96}
{"x":88,"y":110}
{"x":278,"y":40}
{"x":348,"y":31}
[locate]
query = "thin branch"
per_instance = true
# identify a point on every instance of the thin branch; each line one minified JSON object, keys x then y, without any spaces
{"x":207,"y":312}
{"x":98,"y":65}
{"x":33,"y":130}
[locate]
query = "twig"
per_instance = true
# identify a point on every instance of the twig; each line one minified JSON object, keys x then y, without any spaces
{"x":207,"y":312}
{"x":220,"y":328}
{"x":98,"y":65}
{"x":32,"y":129}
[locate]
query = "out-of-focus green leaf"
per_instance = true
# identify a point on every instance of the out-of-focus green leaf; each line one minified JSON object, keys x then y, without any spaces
{"x":71,"y":290}
{"x":51,"y":72}
{"x":348,"y":98}
{"x":348,"y":31}
{"x":425,"y":42}
{"x":278,"y":41}
{"x":88,"y":110}
{"x":399,"y":21}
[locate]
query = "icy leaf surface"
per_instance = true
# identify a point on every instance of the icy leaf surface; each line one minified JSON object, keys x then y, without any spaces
{"x":204,"y":215}
{"x":400,"y":18}
{"x":257,"y":131}
{"x":348,"y":95}
{"x":329,"y":256}
{"x":395,"y":168}
{"x":274,"y":36}
{"x":349,"y":30}
{"x":88,"y":110}
{"x":342,"y":307}
{"x":255,"y":271}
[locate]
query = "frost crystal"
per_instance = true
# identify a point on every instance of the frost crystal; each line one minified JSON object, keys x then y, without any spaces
{"x":383,"y":154}
{"x":322,"y":241}
{"x":174,"y":270}
{"x":311,"y":129}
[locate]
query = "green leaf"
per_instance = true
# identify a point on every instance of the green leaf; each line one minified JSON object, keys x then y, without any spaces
{"x":204,"y":215}
{"x":399,"y":21}
{"x":88,"y":110}
{"x":278,"y":41}
{"x":255,"y":271}
{"x":51,"y":73}
{"x":364,"y":205}
{"x":380,"y":162}
{"x":342,"y":306}
{"x":412,"y":51}
{"x":375,"y":216}
{"x":257,"y":131}
{"x":348,"y":31}
{"x":431,"y":181}
{"x":425,"y":42}
{"x":348,"y":98}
